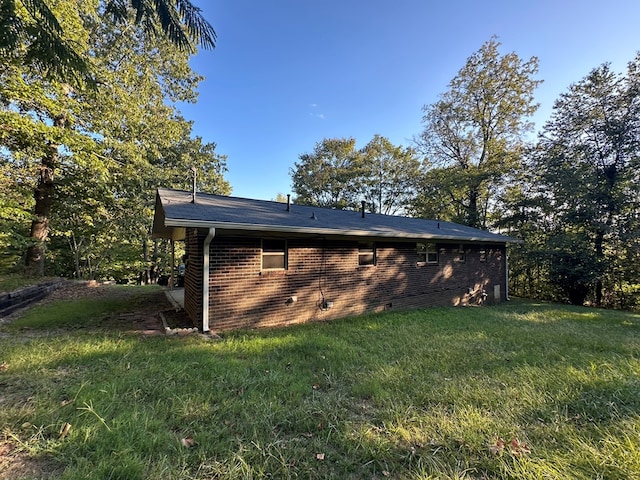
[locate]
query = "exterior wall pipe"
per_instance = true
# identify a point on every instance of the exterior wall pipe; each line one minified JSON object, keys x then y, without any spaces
{"x":205,"y":279}
{"x":506,"y":275}
{"x":172,"y":277}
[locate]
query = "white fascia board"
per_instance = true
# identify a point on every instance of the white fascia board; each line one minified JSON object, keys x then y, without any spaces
{"x":320,"y":231}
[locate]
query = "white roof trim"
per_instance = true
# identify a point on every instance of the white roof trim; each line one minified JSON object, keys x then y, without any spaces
{"x":317,"y":231}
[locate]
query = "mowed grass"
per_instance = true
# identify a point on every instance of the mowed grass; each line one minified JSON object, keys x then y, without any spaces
{"x":518,"y":391}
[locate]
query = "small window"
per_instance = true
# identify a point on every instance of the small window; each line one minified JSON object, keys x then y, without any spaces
{"x":483,"y":255}
{"x":427,"y":253}
{"x":274,"y":254}
{"x":460,"y":254}
{"x":366,"y":253}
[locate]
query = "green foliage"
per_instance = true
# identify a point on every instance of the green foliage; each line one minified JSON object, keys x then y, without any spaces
{"x":572,"y":264}
{"x":328,"y":176}
{"x":518,"y":391}
{"x":14,"y":281}
{"x":15,"y":214}
{"x":44,"y":36}
{"x":38,"y":34}
{"x":336,"y":175}
{"x":588,"y":160}
{"x":474,"y":133}
{"x":95,"y":156}
{"x":390,"y":176}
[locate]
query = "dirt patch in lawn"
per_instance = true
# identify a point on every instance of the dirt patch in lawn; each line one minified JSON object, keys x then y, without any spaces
{"x":142,"y":315}
{"x":16,"y":464}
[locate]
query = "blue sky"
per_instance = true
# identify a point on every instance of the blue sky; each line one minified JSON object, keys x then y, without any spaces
{"x":287,"y":73}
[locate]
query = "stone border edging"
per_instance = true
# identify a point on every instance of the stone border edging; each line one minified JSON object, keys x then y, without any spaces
{"x":11,"y":302}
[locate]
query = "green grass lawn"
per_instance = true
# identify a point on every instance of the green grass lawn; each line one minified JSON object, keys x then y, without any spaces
{"x":518,"y":391}
{"x":12,"y":282}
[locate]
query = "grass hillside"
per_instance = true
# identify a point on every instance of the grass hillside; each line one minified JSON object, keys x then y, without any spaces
{"x":519,"y":391}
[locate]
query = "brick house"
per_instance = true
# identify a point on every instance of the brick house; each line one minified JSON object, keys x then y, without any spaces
{"x":254,"y":263}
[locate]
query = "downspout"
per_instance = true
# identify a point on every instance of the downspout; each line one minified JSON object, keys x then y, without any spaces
{"x":205,"y":279}
{"x":172,"y":277}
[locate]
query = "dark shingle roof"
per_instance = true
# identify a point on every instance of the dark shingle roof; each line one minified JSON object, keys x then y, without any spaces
{"x":174,"y":210}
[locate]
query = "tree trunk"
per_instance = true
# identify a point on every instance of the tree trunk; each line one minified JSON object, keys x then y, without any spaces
{"x":43,"y":194}
{"x":473,"y":219}
{"x":145,"y":250}
{"x":75,"y":250}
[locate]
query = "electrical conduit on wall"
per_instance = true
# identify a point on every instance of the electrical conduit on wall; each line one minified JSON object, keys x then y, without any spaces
{"x":506,"y":275}
{"x":205,"y":279}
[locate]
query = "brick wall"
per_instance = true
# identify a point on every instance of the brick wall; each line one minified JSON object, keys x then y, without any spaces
{"x":322,"y":271}
{"x":194,"y":242}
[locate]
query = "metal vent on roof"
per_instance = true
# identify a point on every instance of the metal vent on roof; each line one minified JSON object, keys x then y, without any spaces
{"x":194,"y":172}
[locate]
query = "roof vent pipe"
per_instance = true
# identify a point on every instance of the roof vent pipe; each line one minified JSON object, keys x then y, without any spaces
{"x":193,"y":193}
{"x":364,"y":204}
{"x":288,"y":202}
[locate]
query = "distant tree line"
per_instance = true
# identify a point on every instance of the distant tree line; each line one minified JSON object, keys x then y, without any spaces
{"x":572,"y":196}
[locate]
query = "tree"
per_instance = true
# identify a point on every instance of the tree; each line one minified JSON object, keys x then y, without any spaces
{"x":588,"y":158}
{"x":389,"y":176}
{"x":522,"y":213}
{"x":36,"y":35}
{"x":474,"y":133}
{"x":37,"y":118}
{"x":15,"y":212}
{"x":337,"y":175}
{"x":439,"y":194}
{"x":328,"y":177}
{"x":109,"y":145}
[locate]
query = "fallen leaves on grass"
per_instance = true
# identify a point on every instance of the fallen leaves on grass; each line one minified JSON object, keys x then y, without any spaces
{"x":519,"y":448}
{"x":515,"y":447}
{"x":497,"y":446}
{"x":188,"y":442}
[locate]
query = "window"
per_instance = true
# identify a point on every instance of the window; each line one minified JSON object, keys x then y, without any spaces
{"x":274,"y":254}
{"x":427,"y":253}
{"x":366,"y":253}
{"x":460,"y":257}
{"x":483,"y":255}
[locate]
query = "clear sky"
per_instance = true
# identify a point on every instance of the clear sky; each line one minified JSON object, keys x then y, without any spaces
{"x":287,"y":73}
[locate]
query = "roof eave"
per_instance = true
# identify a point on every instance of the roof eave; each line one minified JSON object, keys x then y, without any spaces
{"x":183,"y":223}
